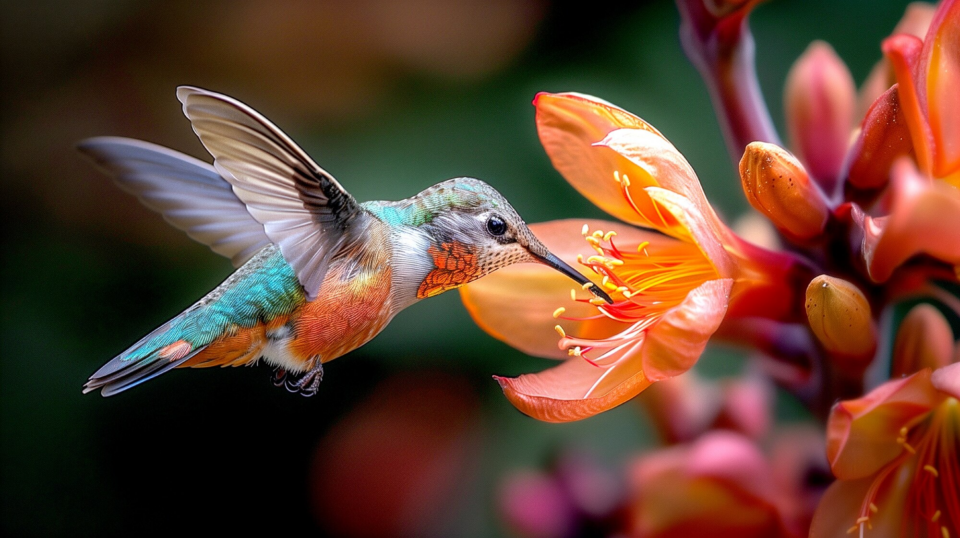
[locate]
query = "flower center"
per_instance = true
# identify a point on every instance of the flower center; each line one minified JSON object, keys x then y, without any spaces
{"x":930,"y":461}
{"x":644,"y":283}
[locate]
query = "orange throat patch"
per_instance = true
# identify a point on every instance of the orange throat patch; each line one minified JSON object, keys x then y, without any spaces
{"x":456,"y":265}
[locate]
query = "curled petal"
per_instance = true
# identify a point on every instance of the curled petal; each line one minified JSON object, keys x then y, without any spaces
{"x":578,"y":389}
{"x":516,"y":304}
{"x":924,"y":218}
{"x":862,"y":433}
{"x":819,"y":104}
{"x":904,"y":51}
{"x":556,"y":394}
{"x":571,"y":126}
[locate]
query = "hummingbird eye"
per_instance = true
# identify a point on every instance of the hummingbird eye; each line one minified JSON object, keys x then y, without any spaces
{"x":496,"y":226}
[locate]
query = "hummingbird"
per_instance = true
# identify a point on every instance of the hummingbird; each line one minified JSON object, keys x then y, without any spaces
{"x":318,"y":274}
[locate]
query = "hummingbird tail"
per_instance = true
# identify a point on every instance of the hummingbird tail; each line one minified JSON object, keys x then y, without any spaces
{"x":154,"y":354}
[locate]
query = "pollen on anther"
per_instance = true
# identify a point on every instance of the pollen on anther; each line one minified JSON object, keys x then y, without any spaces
{"x":853,"y":529}
{"x":932,"y":470}
{"x":863,"y":519}
{"x":559,"y":312}
{"x":642,"y":246}
{"x":609,"y":235}
{"x":944,"y":532}
{"x":586,"y":285}
{"x":575,"y":352}
{"x":873,"y":508}
{"x":585,"y":230}
{"x":903,"y":432}
{"x":559,"y":330}
{"x":573,"y":294}
{"x":906,"y":445}
{"x":936,"y":516}
{"x":579,"y":258}
{"x":596,"y":301}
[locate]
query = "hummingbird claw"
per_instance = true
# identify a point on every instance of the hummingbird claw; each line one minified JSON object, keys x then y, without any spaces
{"x":278,"y":377}
{"x":307,"y":384}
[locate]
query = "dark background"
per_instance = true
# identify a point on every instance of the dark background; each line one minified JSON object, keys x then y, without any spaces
{"x":408,"y":435}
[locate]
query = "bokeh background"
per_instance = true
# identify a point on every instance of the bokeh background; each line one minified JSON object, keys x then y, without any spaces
{"x":408,"y":435}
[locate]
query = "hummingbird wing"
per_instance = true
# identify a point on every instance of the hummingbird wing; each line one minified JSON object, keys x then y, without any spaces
{"x":189,"y":193}
{"x":302,"y":208}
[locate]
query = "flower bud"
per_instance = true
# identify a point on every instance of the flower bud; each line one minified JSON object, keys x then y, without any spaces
{"x":839,"y":316}
{"x":819,"y":100}
{"x":924,"y":339}
{"x":883,"y":139}
{"x":777,"y":185}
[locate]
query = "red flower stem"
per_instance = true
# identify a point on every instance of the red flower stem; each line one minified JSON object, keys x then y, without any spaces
{"x":722,"y":49}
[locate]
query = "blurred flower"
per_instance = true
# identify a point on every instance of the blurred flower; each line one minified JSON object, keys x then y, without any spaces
{"x":684,"y":407}
{"x":895,"y":453}
{"x":717,"y":486}
{"x":671,"y":290}
{"x":397,"y":463}
{"x":575,"y":496}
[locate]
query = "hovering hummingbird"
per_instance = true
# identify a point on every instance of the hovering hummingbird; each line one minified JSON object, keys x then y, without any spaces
{"x":318,"y":274}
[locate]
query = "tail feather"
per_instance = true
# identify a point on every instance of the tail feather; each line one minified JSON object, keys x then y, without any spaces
{"x":142,"y":361}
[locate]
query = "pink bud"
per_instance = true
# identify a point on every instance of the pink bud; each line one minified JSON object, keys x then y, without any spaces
{"x":819,"y":100}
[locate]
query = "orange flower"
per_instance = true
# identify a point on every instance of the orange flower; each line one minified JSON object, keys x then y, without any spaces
{"x":895,"y":453}
{"x":671,"y":290}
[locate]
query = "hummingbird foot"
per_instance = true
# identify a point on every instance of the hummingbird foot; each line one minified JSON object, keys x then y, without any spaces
{"x":307,"y":384}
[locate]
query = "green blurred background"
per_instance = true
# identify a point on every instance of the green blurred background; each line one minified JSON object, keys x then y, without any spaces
{"x":408,"y":435}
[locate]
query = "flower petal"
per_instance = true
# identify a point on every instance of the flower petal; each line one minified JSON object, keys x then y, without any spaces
{"x":841,"y":506}
{"x":516,"y":304}
{"x":940,"y":64}
{"x":884,"y":137}
{"x":904,"y":52}
{"x":862,"y":433}
{"x":572,"y":125}
{"x":924,"y":340}
{"x":924,"y":218}
{"x":947,"y":379}
{"x":556,"y":394}
{"x":674,"y":343}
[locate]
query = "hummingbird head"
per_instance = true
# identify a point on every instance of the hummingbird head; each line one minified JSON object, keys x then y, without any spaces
{"x":474,"y":231}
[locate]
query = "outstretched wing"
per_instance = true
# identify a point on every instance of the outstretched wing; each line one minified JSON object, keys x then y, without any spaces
{"x":302,"y":208}
{"x":189,"y":193}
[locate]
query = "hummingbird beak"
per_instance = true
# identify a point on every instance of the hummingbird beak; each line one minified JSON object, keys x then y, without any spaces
{"x":558,"y":264}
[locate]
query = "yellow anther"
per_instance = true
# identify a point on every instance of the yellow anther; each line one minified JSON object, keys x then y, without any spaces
{"x":642,"y":246}
{"x":873,"y":508}
{"x":936,"y":516}
{"x":944,"y":532}
{"x":628,"y":294}
{"x":596,"y":301}
{"x":573,"y":294}
{"x":586,"y":285}
{"x":579,"y":258}
{"x":585,"y":230}
{"x":903,"y":431}
{"x":625,"y":181}
{"x":599,"y":250}
{"x":575,"y":352}
{"x":616,"y":176}
{"x":611,"y":286}
{"x":623,"y":289}
{"x":597,"y":233}
{"x":614,"y":261}
{"x":605,"y":280}
{"x":592,"y":240}
{"x":853,"y":529}
{"x":596,"y":259}
{"x":559,"y":330}
{"x":863,"y":519}
{"x":559,"y":312}
{"x":932,"y":470}
{"x":909,"y":448}
{"x":608,"y":235}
